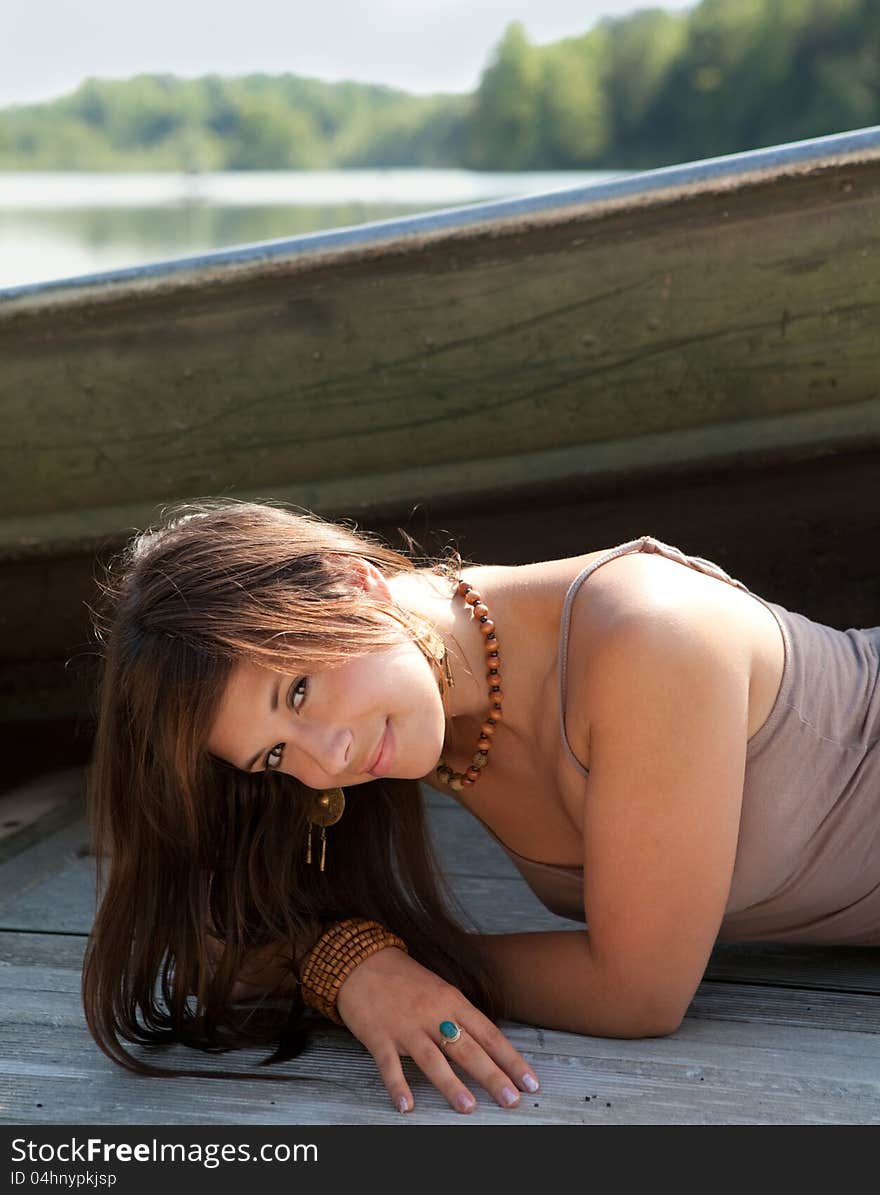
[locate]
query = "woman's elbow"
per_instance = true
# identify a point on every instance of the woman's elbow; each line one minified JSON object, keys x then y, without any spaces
{"x":664,"y":1026}
{"x":660,"y":1014}
{"x":641,"y":1027}
{"x":647,"y":1018}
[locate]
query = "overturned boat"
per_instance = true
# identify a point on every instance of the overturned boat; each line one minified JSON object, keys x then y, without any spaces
{"x":689,"y":352}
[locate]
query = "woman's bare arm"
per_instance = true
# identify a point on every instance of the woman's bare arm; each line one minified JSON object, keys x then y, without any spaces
{"x":544,"y":976}
{"x":661,"y":820}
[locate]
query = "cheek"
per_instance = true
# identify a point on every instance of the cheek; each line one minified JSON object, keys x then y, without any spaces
{"x":406,"y":690}
{"x":416,"y":703}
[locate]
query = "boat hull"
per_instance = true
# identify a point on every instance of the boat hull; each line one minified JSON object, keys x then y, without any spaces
{"x":568,"y":349}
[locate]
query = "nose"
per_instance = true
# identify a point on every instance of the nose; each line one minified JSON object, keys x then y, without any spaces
{"x":326,"y":748}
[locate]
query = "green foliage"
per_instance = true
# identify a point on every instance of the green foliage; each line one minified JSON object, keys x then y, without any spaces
{"x":574,"y":117}
{"x":504,"y":121}
{"x":641,"y":51}
{"x":760,"y":72}
{"x":644,"y":90}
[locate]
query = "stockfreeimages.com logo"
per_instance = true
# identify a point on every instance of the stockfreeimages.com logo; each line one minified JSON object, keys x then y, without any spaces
{"x":209,"y":1155}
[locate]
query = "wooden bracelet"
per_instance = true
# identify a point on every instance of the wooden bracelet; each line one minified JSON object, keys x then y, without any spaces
{"x":335,"y":955}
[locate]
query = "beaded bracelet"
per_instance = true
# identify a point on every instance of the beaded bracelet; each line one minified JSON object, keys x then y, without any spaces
{"x":335,"y":955}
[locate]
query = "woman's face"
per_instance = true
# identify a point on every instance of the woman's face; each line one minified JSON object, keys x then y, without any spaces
{"x":328,"y":725}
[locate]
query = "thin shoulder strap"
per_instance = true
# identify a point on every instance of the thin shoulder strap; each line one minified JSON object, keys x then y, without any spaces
{"x":631,"y":546}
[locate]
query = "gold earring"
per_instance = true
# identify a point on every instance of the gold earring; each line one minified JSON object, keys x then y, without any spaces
{"x":325,"y":809}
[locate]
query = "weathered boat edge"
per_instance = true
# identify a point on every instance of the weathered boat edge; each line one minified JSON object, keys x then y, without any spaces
{"x":748,"y":443}
{"x":663,"y":185}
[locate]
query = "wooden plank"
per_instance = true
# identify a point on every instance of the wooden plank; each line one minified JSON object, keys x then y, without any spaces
{"x":812,"y":969}
{"x":780,"y":964}
{"x":734,"y":1076}
{"x":61,"y":951}
{"x":28,"y":991}
{"x":37,"y":808}
{"x":50,"y":886}
{"x":745,"y":1053}
{"x":65,"y":902}
{"x":852,"y":1012}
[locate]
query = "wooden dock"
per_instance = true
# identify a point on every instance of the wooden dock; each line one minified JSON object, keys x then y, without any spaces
{"x":775,"y":1034}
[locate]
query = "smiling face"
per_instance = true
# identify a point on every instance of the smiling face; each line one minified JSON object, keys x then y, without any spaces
{"x":328,"y":725}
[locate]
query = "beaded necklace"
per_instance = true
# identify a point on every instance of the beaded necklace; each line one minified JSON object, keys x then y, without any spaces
{"x":480,"y":612}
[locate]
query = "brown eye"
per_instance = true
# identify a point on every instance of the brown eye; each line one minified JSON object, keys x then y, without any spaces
{"x":292,"y":693}
{"x":294,"y":688}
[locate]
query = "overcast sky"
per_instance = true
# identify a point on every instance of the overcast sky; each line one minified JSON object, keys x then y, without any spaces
{"x":47,"y":47}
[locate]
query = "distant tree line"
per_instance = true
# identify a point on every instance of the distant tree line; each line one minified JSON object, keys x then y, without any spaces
{"x":644,"y":90}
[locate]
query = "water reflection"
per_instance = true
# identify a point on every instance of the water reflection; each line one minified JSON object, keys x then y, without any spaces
{"x":59,"y":225}
{"x":41,"y":245}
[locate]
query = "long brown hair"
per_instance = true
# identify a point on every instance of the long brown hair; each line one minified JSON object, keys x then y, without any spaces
{"x":195,"y":846}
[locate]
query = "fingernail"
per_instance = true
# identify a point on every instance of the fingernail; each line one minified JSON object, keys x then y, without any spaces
{"x":464,"y":1101}
{"x":402,"y":1103}
{"x":529,"y":1083}
{"x":509,"y":1095}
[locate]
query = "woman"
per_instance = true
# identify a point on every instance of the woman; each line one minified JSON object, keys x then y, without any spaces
{"x":665,"y":756}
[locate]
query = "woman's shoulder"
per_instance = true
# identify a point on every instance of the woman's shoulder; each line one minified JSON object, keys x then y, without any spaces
{"x":634,"y":586}
{"x":641,"y":590}
{"x":576,"y":602}
{"x":605,"y":591}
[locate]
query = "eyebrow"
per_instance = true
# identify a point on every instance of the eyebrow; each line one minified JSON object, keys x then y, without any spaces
{"x":265,"y":750}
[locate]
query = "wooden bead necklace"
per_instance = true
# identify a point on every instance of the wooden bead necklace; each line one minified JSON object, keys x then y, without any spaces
{"x":480,"y":611}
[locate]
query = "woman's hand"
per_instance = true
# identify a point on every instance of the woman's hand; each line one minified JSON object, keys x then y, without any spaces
{"x":393,"y":1005}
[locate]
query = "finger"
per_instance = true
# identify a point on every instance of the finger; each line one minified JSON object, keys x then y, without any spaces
{"x":431,"y":1061}
{"x":470,"y":1055}
{"x":388,"y":1061}
{"x":501,"y":1050}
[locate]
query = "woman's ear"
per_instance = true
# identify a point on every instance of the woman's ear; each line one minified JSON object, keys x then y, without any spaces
{"x":370,"y":578}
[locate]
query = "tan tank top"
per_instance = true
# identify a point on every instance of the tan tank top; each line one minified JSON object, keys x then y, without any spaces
{"x":807,"y":863}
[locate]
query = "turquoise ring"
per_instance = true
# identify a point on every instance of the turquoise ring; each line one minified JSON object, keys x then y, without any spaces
{"x":449,"y":1032}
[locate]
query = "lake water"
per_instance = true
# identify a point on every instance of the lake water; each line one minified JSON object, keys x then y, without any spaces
{"x":60,"y":225}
